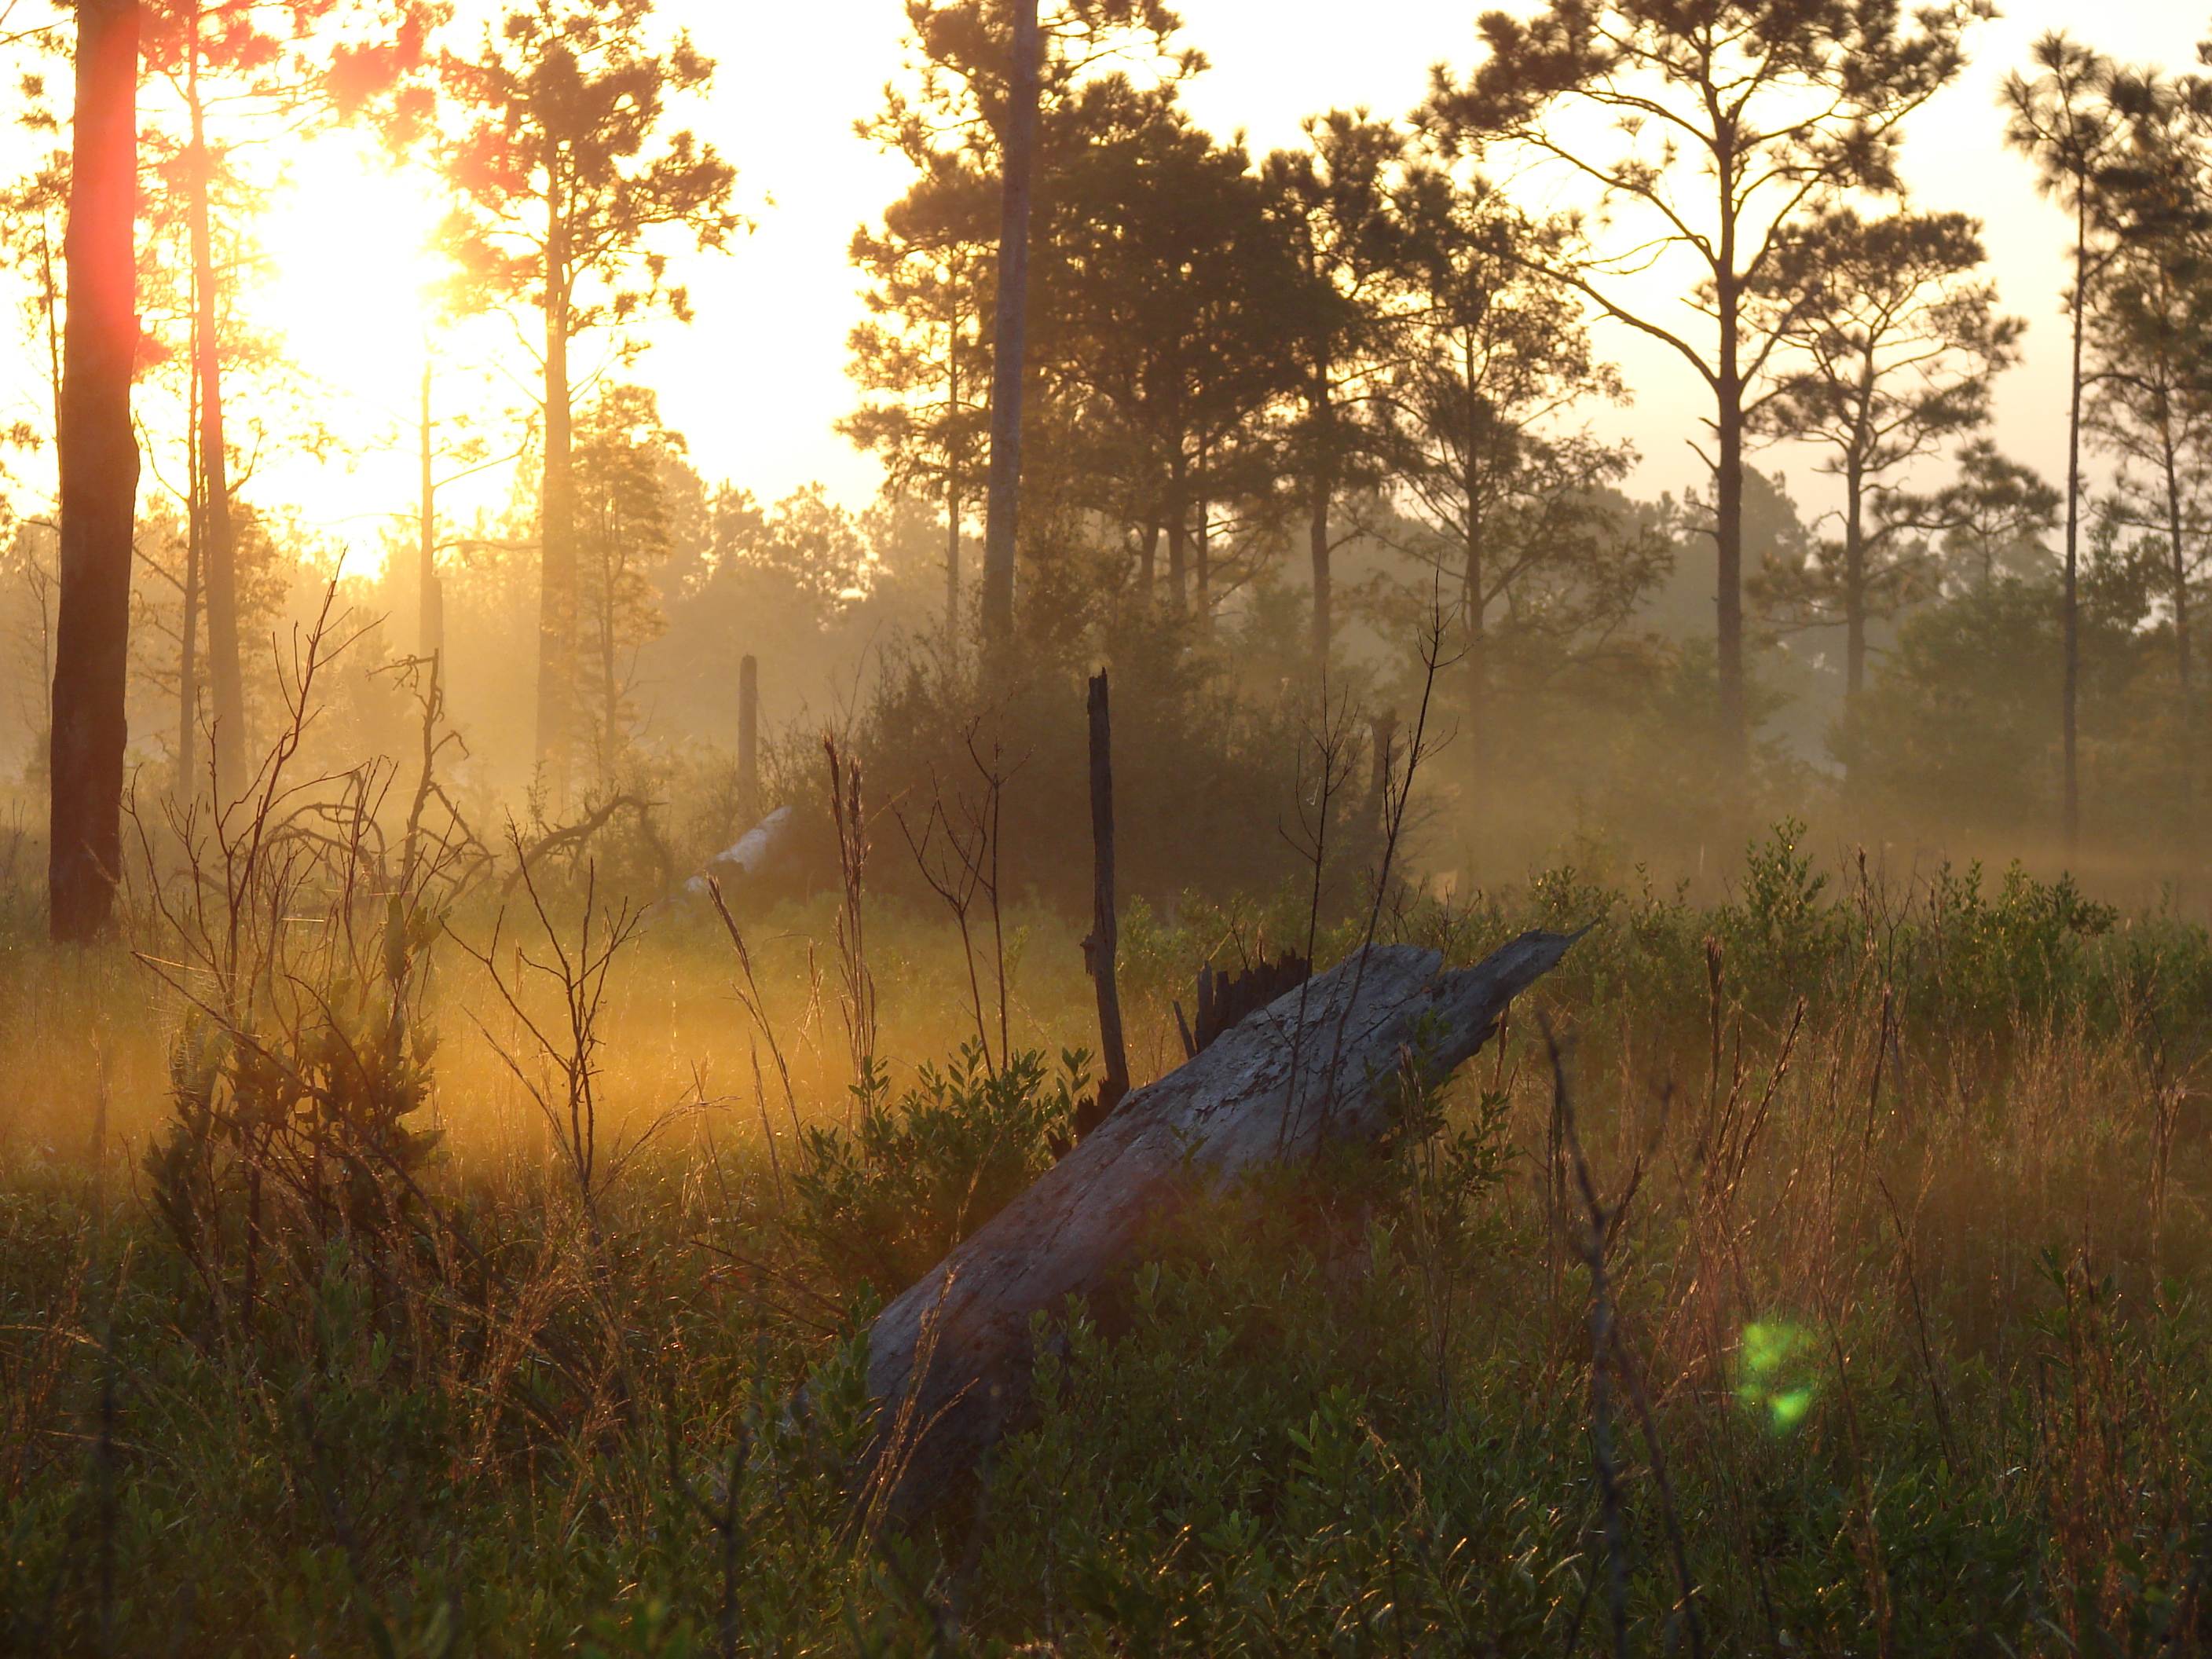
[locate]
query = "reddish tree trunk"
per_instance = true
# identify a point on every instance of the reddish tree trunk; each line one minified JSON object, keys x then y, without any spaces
{"x":98,"y":465}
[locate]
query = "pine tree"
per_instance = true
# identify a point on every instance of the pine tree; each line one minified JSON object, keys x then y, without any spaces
{"x":574,"y":193}
{"x":99,"y":467}
{"x":1173,"y":311}
{"x":1010,"y":315}
{"x":1729,"y":122}
{"x":2062,"y":118}
{"x":621,"y":532}
{"x":1333,"y":197}
{"x":923,"y":351}
{"x":1492,"y":359}
{"x":286,"y":65}
{"x":1990,"y":522}
{"x":988,"y":77}
{"x":2148,"y":396}
{"x":1892,"y":340}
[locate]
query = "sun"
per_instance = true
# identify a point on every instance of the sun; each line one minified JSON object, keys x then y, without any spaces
{"x":350,"y":285}
{"x":349,"y":298}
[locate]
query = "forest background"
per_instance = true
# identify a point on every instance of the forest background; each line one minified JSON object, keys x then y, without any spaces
{"x":1578,"y":600}
{"x":1727,"y":481}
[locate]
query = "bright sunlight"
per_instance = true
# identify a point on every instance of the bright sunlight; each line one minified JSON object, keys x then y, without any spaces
{"x":349,"y":290}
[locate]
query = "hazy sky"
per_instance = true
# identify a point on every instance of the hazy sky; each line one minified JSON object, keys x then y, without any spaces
{"x":756,"y":381}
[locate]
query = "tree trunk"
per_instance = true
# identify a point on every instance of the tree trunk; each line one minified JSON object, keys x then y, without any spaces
{"x":188,"y":633}
{"x":1854,"y":606}
{"x":429,"y":598}
{"x":1382,"y":764}
{"x":749,"y":801}
{"x":1321,"y":491}
{"x":1201,"y":570}
{"x":218,"y":541}
{"x":1148,"y":555}
{"x":1728,"y":536}
{"x":611,"y":569}
{"x":2070,"y":617}
{"x":1324,"y":622}
{"x":1002,"y":509}
{"x":1477,"y":620}
{"x":949,"y":1361}
{"x":1178,"y":518}
{"x":951,"y":562}
{"x":99,"y":469}
{"x":556,"y":531}
{"x":2180,"y":575}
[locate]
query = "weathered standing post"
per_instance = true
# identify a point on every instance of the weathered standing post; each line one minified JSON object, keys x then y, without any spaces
{"x":1384,"y":729}
{"x":1100,"y":949}
{"x":748,"y":739}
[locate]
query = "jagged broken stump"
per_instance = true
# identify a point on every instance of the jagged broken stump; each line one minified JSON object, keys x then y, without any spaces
{"x":949,"y":1361}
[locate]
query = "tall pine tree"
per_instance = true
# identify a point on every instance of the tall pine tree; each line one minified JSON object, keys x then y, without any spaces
{"x":574,"y":193}
{"x":98,"y":465}
{"x":1893,"y":340}
{"x":1703,"y":134}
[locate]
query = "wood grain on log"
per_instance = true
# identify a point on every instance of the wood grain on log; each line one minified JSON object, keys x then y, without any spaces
{"x":949,"y":1360}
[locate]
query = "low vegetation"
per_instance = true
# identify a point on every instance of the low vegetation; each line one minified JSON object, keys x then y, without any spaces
{"x":1840,"y":1293}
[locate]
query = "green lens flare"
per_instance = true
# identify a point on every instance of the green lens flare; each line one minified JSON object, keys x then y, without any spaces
{"x":1775,"y":1373}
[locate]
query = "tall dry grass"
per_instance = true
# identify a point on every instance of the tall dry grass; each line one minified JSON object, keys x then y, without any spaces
{"x":1888,"y":1200}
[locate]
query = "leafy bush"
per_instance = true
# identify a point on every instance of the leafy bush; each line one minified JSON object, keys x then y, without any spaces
{"x":1213,"y":788}
{"x":881,"y":1204}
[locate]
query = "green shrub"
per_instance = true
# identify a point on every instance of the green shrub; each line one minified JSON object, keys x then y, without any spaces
{"x":880,"y":1204}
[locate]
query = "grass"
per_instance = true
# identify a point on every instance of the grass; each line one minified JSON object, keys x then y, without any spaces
{"x":1895,"y":1194}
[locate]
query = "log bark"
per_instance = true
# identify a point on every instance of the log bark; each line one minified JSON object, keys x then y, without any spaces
{"x":949,"y":1361}
{"x":760,"y":851}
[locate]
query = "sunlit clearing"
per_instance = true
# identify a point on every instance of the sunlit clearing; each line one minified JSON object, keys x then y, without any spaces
{"x":1775,"y":1373}
{"x":350,"y":287}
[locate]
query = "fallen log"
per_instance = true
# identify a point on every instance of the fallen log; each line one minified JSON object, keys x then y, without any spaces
{"x":949,"y":1360}
{"x":748,"y":859}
